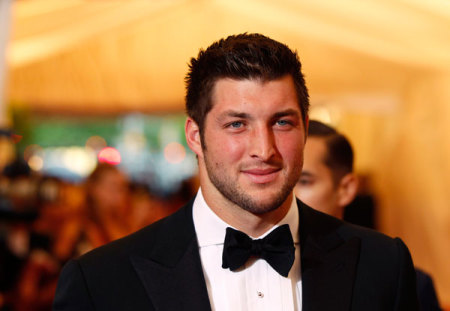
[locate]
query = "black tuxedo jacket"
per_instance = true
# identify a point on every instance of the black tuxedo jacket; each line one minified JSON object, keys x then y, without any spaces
{"x":344,"y":267}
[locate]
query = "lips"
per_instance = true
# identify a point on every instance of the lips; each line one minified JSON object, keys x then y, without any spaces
{"x":262,"y":176}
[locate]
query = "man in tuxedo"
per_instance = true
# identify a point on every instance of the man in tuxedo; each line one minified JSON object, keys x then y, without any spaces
{"x":244,"y":242}
{"x":329,"y":184}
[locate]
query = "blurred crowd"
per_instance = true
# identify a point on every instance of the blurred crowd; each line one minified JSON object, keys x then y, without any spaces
{"x":45,"y":221}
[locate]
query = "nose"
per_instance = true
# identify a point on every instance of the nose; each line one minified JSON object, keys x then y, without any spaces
{"x":262,"y":143}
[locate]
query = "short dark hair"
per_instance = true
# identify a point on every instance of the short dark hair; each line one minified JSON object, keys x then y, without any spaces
{"x":243,"y":56}
{"x":339,"y":155}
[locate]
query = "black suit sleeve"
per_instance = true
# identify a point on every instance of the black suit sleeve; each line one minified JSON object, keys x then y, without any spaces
{"x":406,"y":299}
{"x":72,"y":293}
{"x":426,"y":292}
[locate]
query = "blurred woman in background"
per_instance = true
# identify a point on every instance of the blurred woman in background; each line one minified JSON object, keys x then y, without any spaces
{"x":107,"y":203}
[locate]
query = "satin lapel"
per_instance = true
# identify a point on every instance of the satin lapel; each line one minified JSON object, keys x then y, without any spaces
{"x":328,"y":262}
{"x":172,"y":273}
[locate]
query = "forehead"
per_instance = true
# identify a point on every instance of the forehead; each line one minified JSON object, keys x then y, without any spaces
{"x":254,"y":94}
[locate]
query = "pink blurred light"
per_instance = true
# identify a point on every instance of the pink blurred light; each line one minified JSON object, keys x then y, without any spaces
{"x":174,"y":153}
{"x":109,"y":155}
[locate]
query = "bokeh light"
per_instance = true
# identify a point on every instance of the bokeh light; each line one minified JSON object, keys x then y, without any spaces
{"x":32,"y":150}
{"x":174,"y":153}
{"x":109,"y":155}
{"x":36,"y":163}
{"x":78,"y":160}
{"x":96,"y":143}
{"x":134,"y":141}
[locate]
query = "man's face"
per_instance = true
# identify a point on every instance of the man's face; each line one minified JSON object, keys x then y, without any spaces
{"x":316,"y":186}
{"x":253,"y":144}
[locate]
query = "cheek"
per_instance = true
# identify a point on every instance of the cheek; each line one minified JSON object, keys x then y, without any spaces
{"x":227,"y":148}
{"x":291,"y":150}
{"x":319,"y":190}
{"x":327,"y":195}
{"x":315,"y":196}
{"x":313,"y":193}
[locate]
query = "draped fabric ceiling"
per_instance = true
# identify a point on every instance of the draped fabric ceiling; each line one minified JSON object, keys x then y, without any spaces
{"x":380,"y":68}
{"x":124,"y":55}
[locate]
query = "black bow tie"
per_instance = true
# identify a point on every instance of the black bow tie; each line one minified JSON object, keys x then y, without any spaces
{"x":277,"y":248}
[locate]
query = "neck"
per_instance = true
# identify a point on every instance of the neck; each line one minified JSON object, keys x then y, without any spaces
{"x":250,"y":223}
{"x":339,"y":212}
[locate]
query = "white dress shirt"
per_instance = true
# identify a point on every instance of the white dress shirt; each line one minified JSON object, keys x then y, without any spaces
{"x":257,"y":286}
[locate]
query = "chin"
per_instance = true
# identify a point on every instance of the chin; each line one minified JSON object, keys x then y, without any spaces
{"x":261,"y":209}
{"x":262,"y":206}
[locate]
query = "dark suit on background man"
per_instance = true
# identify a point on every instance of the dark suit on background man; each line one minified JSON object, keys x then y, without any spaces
{"x":158,"y":268}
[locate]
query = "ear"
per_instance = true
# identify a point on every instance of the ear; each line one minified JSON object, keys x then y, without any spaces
{"x":348,"y":188}
{"x":192,"y":132}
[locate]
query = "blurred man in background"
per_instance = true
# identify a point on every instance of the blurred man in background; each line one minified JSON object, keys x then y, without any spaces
{"x":329,"y":184}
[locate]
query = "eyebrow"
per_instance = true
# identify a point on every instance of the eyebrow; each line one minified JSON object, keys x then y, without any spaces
{"x":244,"y":115}
{"x":287,"y":112}
{"x":307,"y":174}
{"x":236,"y":114}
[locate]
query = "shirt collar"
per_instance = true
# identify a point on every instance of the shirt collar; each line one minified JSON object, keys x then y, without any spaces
{"x":210,"y":228}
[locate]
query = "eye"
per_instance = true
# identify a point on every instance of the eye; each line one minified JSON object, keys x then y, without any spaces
{"x":236,"y":124}
{"x":283,"y":122}
{"x":304,"y":181}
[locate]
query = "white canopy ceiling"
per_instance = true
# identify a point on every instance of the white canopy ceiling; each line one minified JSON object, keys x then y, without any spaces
{"x":132,"y":55}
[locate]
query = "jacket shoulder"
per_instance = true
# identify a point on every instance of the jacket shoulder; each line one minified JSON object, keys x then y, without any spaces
{"x":144,"y":241}
{"x":320,"y":224}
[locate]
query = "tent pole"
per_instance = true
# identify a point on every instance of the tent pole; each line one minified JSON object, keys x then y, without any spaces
{"x":5,"y":20}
